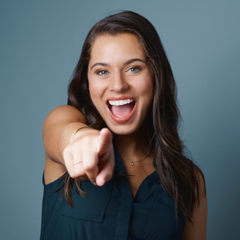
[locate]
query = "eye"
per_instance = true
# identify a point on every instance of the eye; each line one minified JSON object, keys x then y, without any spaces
{"x":134,"y":69}
{"x":102,"y":72}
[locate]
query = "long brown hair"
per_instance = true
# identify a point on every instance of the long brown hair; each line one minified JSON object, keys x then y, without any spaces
{"x":177,"y":173}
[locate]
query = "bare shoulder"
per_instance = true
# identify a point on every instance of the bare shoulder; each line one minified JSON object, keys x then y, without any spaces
{"x":63,"y":114}
{"x":197,"y":229}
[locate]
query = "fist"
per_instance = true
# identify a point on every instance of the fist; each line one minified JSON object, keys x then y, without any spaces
{"x":90,"y":156}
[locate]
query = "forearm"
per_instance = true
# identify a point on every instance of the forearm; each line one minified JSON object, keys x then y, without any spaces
{"x":59,"y":126}
{"x":58,"y":137}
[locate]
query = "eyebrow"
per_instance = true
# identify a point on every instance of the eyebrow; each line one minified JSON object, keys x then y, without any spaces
{"x":126,"y":63}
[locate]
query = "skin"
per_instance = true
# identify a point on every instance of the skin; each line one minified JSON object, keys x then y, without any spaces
{"x":116,"y":77}
{"x":61,"y":153}
{"x":117,"y":68}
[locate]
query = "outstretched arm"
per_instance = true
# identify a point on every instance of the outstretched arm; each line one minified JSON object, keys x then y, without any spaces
{"x":86,"y":154}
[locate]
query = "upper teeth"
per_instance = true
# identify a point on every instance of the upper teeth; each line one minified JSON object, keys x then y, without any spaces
{"x":120,"y":102}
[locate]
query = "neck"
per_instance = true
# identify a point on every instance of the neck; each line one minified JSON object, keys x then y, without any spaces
{"x":134,"y":145}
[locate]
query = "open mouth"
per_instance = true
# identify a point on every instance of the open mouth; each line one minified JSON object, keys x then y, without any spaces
{"x":121,"y":110}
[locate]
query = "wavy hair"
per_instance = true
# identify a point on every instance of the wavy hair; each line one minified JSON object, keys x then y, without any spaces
{"x":177,"y":173}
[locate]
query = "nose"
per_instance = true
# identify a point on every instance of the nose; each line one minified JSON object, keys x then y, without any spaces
{"x":118,"y":83}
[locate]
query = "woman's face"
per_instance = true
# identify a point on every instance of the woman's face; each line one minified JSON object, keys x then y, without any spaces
{"x":120,"y":82}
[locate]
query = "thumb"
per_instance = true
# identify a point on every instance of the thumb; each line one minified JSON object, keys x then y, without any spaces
{"x":104,"y":139}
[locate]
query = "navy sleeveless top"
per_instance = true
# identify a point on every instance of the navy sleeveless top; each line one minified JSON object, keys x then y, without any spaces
{"x":110,"y":212}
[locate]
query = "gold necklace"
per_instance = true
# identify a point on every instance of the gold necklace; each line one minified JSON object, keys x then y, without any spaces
{"x":132,"y":162}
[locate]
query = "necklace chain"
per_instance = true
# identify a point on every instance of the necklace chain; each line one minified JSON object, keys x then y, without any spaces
{"x":132,"y":162}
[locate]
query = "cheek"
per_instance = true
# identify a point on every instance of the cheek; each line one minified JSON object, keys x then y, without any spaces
{"x":96,"y":93}
{"x":93,"y":93}
{"x":94,"y":89}
{"x":146,"y":89}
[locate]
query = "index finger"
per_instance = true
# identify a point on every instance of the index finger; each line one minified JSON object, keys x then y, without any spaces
{"x":105,"y":139}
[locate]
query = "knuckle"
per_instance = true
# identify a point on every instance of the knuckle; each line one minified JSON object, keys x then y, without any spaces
{"x":73,"y":175}
{"x":89,"y":165}
{"x":76,"y":173}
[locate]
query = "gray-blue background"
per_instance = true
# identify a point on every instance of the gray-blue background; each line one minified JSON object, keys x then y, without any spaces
{"x":40,"y":42}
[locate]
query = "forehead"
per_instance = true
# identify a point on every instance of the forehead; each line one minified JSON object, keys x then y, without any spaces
{"x":124,"y":45}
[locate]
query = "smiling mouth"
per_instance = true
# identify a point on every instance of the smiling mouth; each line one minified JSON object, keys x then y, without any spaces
{"x":121,"y":110}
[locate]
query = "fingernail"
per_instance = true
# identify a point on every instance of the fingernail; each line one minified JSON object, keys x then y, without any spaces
{"x":94,"y":183}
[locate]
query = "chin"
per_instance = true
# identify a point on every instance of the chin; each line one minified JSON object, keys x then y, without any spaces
{"x":122,"y":129}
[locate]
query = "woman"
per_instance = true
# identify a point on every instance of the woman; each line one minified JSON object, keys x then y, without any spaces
{"x":115,"y":165}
